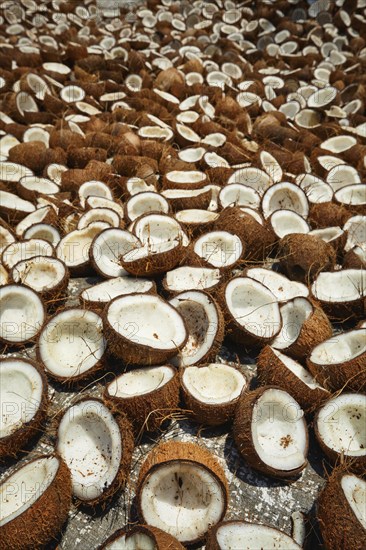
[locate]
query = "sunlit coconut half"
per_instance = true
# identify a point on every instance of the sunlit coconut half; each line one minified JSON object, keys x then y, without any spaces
{"x":102,"y":202}
{"x":304,"y":325}
{"x":355,"y":228}
{"x":22,"y":314}
{"x":44,"y":231}
{"x":341,"y":361}
{"x":142,"y":203}
{"x":276,"y":369}
{"x":196,"y":221}
{"x":187,"y":179}
{"x":97,"y":296}
{"x":191,"y":278}
{"x":6,"y":237}
{"x":212,"y":392}
{"x":205,"y":326}
{"x":285,"y":196}
{"x":153,"y":258}
{"x":46,"y":214}
{"x":146,"y":395}
{"x":71,"y":345}
{"x":30,"y":187}
{"x":182,"y":490}
{"x":251,"y":311}
{"x":107,"y":248}
{"x":24,"y":399}
{"x":283,"y":288}
{"x":22,"y":250}
{"x":141,"y":536}
{"x":340,"y":429}
{"x":180,"y":199}
{"x":48,"y":276}
{"x":144,"y":329}
{"x":237,"y":194}
{"x":4,"y":275}
{"x":285,"y":222}
{"x":97,"y":447}
{"x":219,"y":249}
{"x":99,"y":214}
{"x":248,"y":536}
{"x":271,"y":433}
{"x":342,"y":511}
{"x":158,"y":229}
{"x":341,"y":293}
{"x":39,"y":489}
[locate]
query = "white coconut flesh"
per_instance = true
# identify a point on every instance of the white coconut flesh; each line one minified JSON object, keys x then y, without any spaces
{"x":73,"y":249}
{"x":147,"y":320}
{"x":340,"y":286}
{"x":158,"y":228}
{"x":72,"y":343}
{"x":43,"y":231}
{"x":101,"y":202}
{"x":39,"y":185}
{"x":315,"y":188}
{"x":137,"y":185}
{"x":33,"y":218}
{"x":339,"y":144}
{"x":340,"y":349}
{"x":21,"y":313}
{"x":146,"y":202}
{"x":105,"y":215}
{"x":106,"y":291}
{"x":354,"y":489}
{"x":219,"y":248}
{"x":294,"y":314}
{"x":182,"y":498}
{"x":342,"y":176}
{"x":279,"y":430}
{"x":36,"y":477}
{"x":341,"y":424}
{"x":36,"y":133}
{"x":253,"y":306}
{"x":251,"y":177}
{"x":187,"y":278}
{"x":322,"y":97}
{"x":89,"y":440}
{"x":40,"y":273}
{"x":353,"y":195}
{"x":140,"y":381}
{"x":11,"y":171}
{"x":96,"y":189}
{"x":237,"y":194}
{"x":298,"y":370}
{"x":201,"y":318}
{"x":23,"y":250}
{"x":21,"y":393}
{"x":12,"y":202}
{"x":285,"y":222}
{"x":214,"y":384}
{"x":6,"y":238}
{"x":287,"y":196}
{"x":184,"y":193}
{"x":196,"y":216}
{"x":252,"y":536}
{"x":137,"y":541}
{"x":278,"y":284}
{"x":4,"y":276}
{"x":182,"y":178}
{"x":328,"y":234}
{"x":356,"y":232}
{"x":109,"y":246}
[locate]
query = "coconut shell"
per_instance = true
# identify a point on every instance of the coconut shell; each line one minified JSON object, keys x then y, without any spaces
{"x":328,"y":214}
{"x":273,"y":372}
{"x":353,"y":260}
{"x":242,"y":429}
{"x":149,"y":410}
{"x":29,"y":154}
{"x":155,"y":263}
{"x":79,"y":157}
{"x":302,"y":257}
{"x":162,"y":540}
{"x":175,"y":452}
{"x":12,"y":444}
{"x":338,"y":523}
{"x":39,"y":524}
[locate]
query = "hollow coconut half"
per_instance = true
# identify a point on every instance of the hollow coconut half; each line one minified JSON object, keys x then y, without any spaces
{"x":145,"y":537}
{"x":144,"y":329}
{"x":219,"y":249}
{"x":153,"y":259}
{"x":277,"y":369}
{"x":251,"y":311}
{"x":340,"y":361}
{"x":341,"y":511}
{"x":340,"y":429}
{"x":146,"y":395}
{"x":97,"y":296}
{"x":22,"y":314}
{"x":186,"y":277}
{"x":31,"y":518}
{"x":212,"y":392}
{"x":107,"y":248}
{"x":47,"y":276}
{"x":97,"y":447}
{"x":24,"y":399}
{"x":271,"y":433}
{"x":342,"y":294}
{"x":205,"y":325}
{"x":22,"y":250}
{"x":182,"y":490}
{"x":71,"y":345}
{"x":283,"y":288}
{"x":248,"y":536}
{"x":304,"y":326}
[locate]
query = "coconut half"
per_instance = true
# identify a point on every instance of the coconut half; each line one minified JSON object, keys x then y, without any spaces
{"x":97,"y":447}
{"x":283,"y":288}
{"x":108,"y":247}
{"x":205,"y":326}
{"x":271,"y":433}
{"x":248,"y":536}
{"x":182,"y":490}
{"x":191,"y":278}
{"x":47,"y":495}
{"x":285,"y":222}
{"x":73,"y":249}
{"x":251,"y":311}
{"x":22,"y":314}
{"x":99,"y":295}
{"x":22,"y":250}
{"x":341,"y":293}
{"x":145,"y":537}
{"x":71,"y":345}
{"x":47,"y":276}
{"x":44,"y":231}
{"x":342,"y":511}
{"x":340,"y":429}
{"x":147,"y":395}
{"x":219,"y":249}
{"x":285,"y":196}
{"x":144,"y":329}
{"x":212,"y":392}
{"x":276,"y":369}
{"x":24,"y":399}
{"x":142,"y":203}
{"x":340,"y":361}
